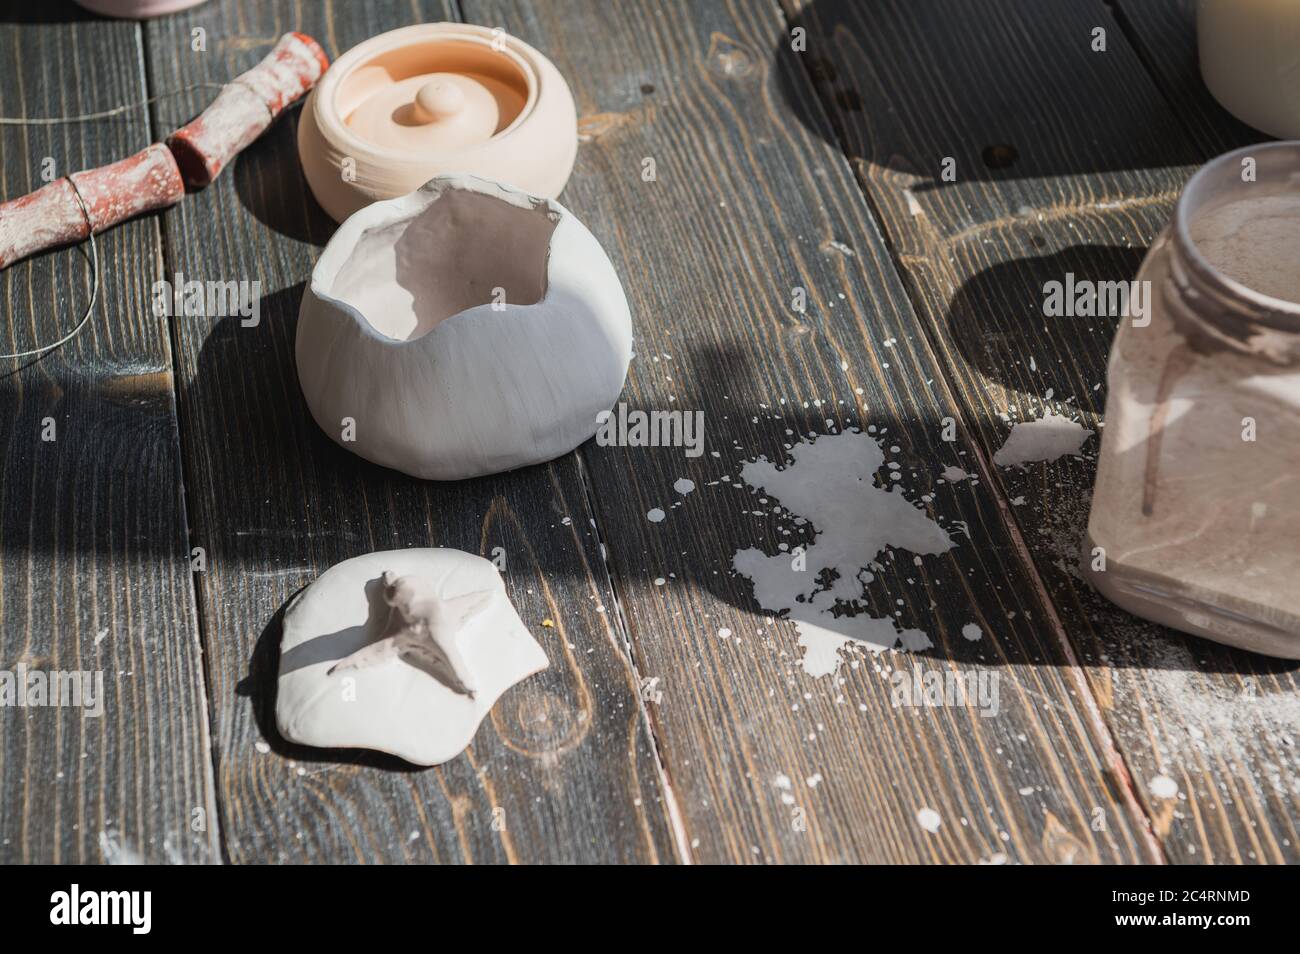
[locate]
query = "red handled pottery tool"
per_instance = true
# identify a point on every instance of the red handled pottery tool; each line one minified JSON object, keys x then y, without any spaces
{"x":71,"y":208}
{"x":83,"y":204}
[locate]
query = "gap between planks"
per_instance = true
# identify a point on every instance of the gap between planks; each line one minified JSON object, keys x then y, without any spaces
{"x":675,"y":819}
{"x":196,"y":629}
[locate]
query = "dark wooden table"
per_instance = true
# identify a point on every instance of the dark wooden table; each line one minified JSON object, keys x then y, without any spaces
{"x":775,"y":168}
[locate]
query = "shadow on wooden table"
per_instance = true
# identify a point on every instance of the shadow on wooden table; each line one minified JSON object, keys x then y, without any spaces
{"x":1009,"y":128}
{"x":273,"y":188}
{"x":997,"y":315}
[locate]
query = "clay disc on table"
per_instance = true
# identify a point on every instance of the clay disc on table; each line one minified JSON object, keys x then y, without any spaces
{"x":393,"y":706}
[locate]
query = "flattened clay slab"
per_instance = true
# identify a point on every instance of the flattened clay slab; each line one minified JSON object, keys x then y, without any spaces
{"x":393,"y":706}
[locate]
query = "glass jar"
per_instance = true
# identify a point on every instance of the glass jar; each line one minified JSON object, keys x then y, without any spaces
{"x":1250,"y":60}
{"x":1195,"y":519}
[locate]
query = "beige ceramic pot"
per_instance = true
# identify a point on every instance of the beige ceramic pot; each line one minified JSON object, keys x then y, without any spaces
{"x":1250,"y":60}
{"x":431,"y":99}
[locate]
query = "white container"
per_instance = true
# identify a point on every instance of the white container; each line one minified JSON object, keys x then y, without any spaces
{"x":464,"y":329}
{"x":1250,"y":59}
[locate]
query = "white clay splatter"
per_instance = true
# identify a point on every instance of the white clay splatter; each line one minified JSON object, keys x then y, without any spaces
{"x":683,"y":486}
{"x":830,"y":484}
{"x":650,"y":690}
{"x":972,"y":632}
{"x":954,"y":475}
{"x":1162,"y":786}
{"x":1049,"y":437}
{"x":929,"y":819}
{"x":654,"y":515}
{"x":115,"y":851}
{"x":821,"y":649}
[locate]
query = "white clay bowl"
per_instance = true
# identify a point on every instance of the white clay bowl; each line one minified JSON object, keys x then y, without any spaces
{"x":464,"y":329}
{"x":431,"y":99}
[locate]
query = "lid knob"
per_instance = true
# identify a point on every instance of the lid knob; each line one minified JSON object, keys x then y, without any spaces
{"x":438,"y":100}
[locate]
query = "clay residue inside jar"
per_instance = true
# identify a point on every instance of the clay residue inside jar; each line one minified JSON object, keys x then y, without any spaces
{"x":465,"y":249}
{"x":1254,"y":241}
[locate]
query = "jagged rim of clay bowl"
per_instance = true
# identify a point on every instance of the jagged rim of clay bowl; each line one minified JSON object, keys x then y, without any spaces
{"x":387,"y":211}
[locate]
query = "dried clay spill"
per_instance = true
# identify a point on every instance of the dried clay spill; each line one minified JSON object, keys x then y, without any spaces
{"x":830,"y":483}
{"x":1047,"y":438}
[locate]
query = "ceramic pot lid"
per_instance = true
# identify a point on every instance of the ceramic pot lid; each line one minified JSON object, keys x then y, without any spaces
{"x":435,"y":99}
{"x":436,"y":112}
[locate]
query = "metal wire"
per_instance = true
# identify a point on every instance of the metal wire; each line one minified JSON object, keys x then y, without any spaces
{"x":45,"y":349}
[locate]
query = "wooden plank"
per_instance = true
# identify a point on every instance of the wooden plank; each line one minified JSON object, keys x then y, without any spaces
{"x":1163,"y":32}
{"x":94,"y":561}
{"x":565,"y":769}
{"x":1099,"y":160}
{"x":768,"y":762}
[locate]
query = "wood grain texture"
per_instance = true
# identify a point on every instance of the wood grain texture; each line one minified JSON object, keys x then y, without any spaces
{"x":94,"y":568}
{"x":1163,"y":32}
{"x":923,"y":304}
{"x":564,"y":770}
{"x":1068,"y":160}
{"x":769,"y":763}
